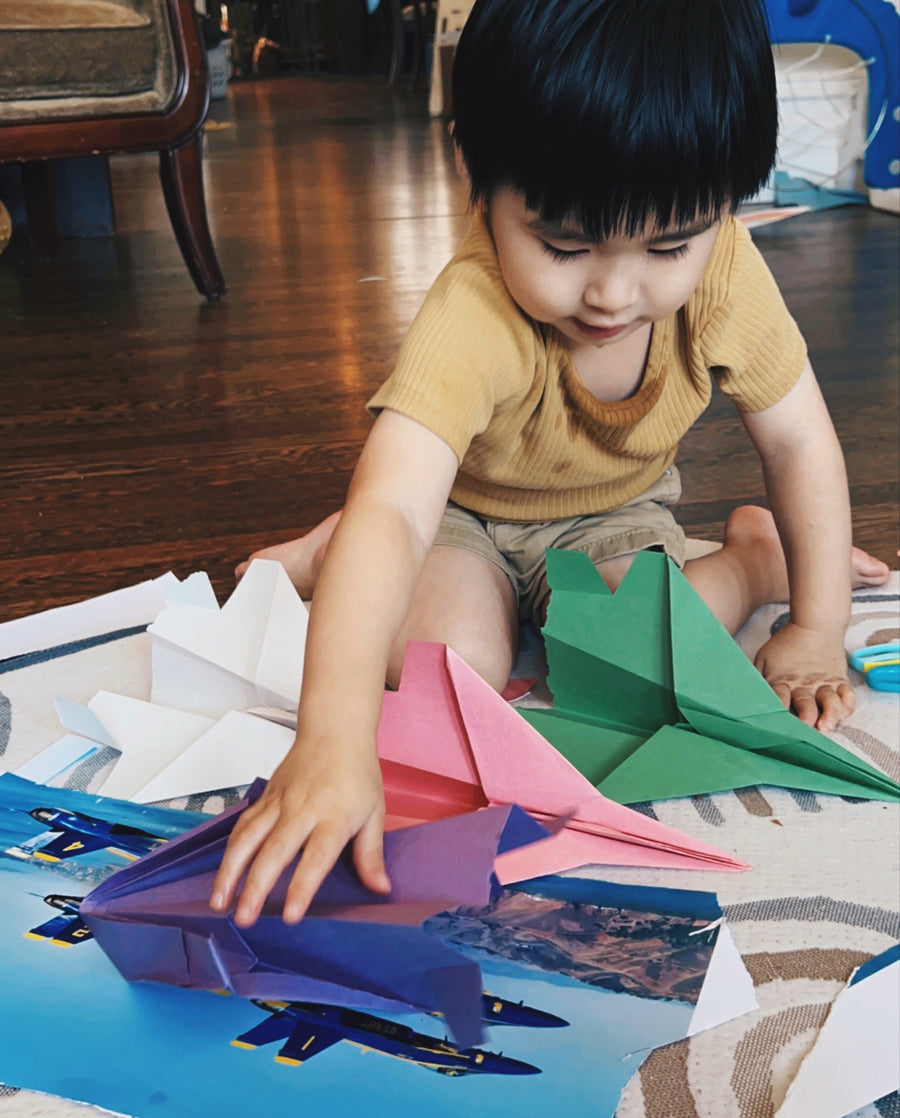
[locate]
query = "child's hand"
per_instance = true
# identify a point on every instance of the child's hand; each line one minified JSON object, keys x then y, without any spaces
{"x":319,"y":798}
{"x":808,"y":672}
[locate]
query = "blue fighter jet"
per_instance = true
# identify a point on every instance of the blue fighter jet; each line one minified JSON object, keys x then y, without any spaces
{"x":69,"y":833}
{"x":66,"y":929}
{"x":308,"y":1028}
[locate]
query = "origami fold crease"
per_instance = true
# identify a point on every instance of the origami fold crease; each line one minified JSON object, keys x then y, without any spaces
{"x":653,"y":698}
{"x":250,"y":652}
{"x":353,"y":947}
{"x":448,"y":743}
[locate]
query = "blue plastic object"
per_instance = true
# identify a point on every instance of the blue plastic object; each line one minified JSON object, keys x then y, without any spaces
{"x":871,"y":28}
{"x":880,"y":665}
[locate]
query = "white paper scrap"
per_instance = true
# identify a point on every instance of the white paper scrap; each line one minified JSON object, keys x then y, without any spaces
{"x":108,"y":613}
{"x":856,"y":1057}
{"x":727,"y":990}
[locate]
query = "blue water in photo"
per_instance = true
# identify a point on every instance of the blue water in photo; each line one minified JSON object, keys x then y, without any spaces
{"x":71,"y":1026}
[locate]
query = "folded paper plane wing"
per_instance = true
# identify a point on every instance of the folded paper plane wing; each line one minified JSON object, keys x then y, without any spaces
{"x":167,"y":753}
{"x":654,"y":699}
{"x":448,"y":743}
{"x":249,"y":652}
{"x":353,"y":948}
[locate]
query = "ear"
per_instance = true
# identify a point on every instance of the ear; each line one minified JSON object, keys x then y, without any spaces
{"x":458,"y":160}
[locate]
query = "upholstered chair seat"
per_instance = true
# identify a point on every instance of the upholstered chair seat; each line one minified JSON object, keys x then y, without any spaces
{"x":108,"y":76}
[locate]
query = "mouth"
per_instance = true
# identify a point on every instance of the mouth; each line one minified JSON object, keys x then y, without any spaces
{"x":599,"y":333}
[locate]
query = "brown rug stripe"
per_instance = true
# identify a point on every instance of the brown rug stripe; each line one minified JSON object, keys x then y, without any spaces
{"x":664,"y":1083}
{"x":754,"y":1052}
{"x":754,"y":801}
{"x":887,"y":759}
{"x":835,"y":964}
{"x":882,"y":636}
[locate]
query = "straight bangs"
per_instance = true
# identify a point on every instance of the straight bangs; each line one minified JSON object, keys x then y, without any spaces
{"x":617,"y":116}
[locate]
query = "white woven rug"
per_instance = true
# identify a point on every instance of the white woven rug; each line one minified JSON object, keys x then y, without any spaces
{"x":823,"y":897}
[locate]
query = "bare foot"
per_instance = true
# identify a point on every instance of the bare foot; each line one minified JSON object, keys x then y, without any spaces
{"x":753,"y":529}
{"x":866,"y":570}
{"x":301,"y":558}
{"x":750,"y":569}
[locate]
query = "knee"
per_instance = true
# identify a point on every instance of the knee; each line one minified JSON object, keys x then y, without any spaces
{"x":492,"y":660}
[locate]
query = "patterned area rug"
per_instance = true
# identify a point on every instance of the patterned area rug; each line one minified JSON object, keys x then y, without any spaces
{"x":824,"y":894}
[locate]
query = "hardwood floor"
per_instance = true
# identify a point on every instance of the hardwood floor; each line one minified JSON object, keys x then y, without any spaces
{"x":143,"y":430}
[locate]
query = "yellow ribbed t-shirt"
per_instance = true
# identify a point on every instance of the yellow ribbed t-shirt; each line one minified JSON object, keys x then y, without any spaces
{"x":533,"y":443}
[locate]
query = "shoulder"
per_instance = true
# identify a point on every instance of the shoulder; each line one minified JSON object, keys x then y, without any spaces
{"x":470,"y":349}
{"x":740,"y":325}
{"x":737,"y":296}
{"x":735,"y":267}
{"x":470,"y":308}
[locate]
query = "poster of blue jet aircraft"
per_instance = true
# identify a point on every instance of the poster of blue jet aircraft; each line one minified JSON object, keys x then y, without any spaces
{"x":582,"y":979}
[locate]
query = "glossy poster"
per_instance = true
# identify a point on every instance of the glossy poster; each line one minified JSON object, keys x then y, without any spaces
{"x":581,"y":980}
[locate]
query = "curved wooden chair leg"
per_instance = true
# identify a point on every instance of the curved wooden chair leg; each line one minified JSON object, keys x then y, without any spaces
{"x":40,"y":206}
{"x":181,"y":172}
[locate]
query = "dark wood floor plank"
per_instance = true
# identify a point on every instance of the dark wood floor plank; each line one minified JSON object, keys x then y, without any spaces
{"x":143,"y":431}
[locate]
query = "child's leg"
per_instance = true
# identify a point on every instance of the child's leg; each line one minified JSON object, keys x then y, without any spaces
{"x":301,"y":558}
{"x":749,"y":570}
{"x":465,"y":601}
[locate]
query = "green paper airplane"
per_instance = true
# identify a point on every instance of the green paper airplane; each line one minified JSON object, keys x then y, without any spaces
{"x":653,"y":699}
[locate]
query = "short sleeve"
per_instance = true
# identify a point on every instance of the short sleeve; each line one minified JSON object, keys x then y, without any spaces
{"x":469,"y":352}
{"x":749,"y":340}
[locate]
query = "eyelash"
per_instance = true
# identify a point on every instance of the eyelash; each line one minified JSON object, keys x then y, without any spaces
{"x":671,"y":253}
{"x":561,"y":255}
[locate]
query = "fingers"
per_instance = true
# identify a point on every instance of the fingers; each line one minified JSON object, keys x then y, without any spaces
{"x":368,"y":855}
{"x":823,"y":707}
{"x":322,"y":850}
{"x":805,"y":705}
{"x":250,"y":832}
{"x":783,"y":691}
{"x":835,"y":703}
{"x":275,"y":854}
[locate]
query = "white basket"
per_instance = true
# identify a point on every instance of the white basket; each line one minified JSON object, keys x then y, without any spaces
{"x":822,"y":108}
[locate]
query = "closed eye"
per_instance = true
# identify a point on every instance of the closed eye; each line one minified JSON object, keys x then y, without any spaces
{"x":562,"y":254}
{"x":671,"y":253}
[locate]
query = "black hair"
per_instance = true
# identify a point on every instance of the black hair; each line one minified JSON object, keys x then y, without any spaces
{"x":616,"y":114}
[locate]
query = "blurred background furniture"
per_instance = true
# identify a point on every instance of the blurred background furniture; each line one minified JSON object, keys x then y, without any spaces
{"x":81,"y":77}
{"x":451,"y":16}
{"x":871,"y":29}
{"x":412,"y":35}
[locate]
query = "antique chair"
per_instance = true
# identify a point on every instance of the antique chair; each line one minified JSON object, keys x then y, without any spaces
{"x":83,"y":77}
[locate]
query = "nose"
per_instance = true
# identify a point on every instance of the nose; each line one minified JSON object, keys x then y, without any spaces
{"x":612,"y":289}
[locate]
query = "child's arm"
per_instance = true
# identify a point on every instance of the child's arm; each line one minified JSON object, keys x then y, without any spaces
{"x":806,"y":484}
{"x":328,"y":790}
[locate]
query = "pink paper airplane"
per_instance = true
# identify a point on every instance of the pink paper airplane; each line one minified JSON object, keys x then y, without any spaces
{"x":448,"y":744}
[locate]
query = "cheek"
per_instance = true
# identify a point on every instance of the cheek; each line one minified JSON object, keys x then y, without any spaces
{"x":671,"y":291}
{"x":530,"y":283}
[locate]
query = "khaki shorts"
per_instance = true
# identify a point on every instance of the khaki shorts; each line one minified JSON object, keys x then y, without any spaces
{"x":519,"y":549}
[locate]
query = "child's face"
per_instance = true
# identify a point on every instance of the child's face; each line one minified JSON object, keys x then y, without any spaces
{"x":595,"y":294}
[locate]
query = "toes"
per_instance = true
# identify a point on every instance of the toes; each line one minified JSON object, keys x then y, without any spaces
{"x":867,"y":570}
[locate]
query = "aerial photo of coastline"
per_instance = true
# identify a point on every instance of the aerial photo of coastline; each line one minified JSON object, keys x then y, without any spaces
{"x":632,"y":950}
